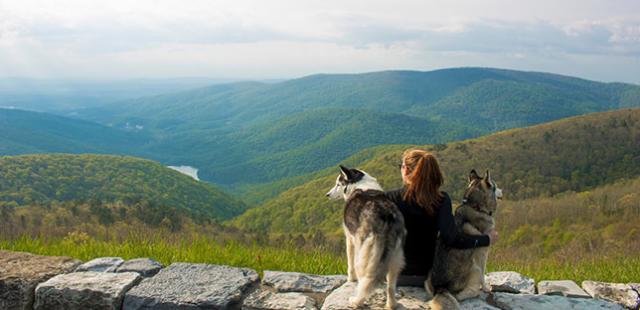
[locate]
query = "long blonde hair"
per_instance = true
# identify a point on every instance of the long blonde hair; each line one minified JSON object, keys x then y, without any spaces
{"x":425,"y":179}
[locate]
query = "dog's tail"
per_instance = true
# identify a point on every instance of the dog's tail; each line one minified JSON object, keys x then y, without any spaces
{"x":443,"y":300}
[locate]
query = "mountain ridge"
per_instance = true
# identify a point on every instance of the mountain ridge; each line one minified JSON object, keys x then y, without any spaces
{"x":479,"y":100}
{"x":235,"y":133}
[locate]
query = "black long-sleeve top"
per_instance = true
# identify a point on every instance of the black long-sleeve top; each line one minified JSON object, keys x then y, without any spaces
{"x":423,"y":229}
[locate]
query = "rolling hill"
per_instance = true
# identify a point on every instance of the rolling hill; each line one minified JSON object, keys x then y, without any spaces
{"x":42,"y":180}
{"x":255,"y":133}
{"x":35,"y":132}
{"x":573,"y":154}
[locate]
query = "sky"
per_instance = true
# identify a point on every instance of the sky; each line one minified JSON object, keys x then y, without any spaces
{"x":269,"y":39}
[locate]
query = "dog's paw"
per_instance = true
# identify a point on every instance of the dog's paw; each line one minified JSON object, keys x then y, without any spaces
{"x":354,"y":302}
{"x":486,"y":288}
{"x":427,"y":290}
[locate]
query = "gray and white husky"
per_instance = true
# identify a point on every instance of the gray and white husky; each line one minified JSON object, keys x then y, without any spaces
{"x":375,"y":233}
{"x":458,"y":274}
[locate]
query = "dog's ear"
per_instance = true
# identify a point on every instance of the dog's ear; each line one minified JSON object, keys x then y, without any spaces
{"x":352,"y":175}
{"x":473,"y":175}
{"x":345,"y":171}
{"x":487,"y":177}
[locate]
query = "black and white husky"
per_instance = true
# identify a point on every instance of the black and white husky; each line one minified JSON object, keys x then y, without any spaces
{"x":375,"y":233}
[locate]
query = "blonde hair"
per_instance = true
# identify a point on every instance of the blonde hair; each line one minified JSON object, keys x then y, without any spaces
{"x":425,"y":179}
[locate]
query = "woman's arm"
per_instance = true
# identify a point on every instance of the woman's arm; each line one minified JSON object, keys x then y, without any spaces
{"x":395,"y":196}
{"x":452,"y":236}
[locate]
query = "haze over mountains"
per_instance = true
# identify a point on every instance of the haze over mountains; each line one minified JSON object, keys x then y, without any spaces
{"x":61,"y":96}
{"x":262,"y":138}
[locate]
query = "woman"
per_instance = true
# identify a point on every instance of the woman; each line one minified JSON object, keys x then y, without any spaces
{"x":427,"y":213}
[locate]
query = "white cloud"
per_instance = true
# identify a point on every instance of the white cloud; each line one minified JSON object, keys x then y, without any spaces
{"x":279,"y":39}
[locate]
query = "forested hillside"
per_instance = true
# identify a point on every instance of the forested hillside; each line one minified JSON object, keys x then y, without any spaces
{"x":573,"y":154}
{"x":97,"y":180}
{"x":254,"y":133}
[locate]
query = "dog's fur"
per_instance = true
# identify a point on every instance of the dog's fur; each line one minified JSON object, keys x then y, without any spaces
{"x":375,"y":233}
{"x":458,"y":274}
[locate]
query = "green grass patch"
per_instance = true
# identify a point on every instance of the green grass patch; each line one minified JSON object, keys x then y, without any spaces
{"x":198,"y":250}
{"x":288,"y":257}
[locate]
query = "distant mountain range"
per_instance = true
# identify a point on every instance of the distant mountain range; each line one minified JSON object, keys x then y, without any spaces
{"x":574,"y":154}
{"x":250,"y":136}
{"x":63,"y":95}
{"x":253,"y":132}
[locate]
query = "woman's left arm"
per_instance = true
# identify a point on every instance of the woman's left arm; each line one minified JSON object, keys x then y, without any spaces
{"x":453,"y":237}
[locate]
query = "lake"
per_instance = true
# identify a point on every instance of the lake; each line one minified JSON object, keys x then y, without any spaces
{"x":188,"y":170}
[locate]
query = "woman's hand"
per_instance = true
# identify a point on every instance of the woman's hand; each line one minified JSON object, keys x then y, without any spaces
{"x":493,"y":237}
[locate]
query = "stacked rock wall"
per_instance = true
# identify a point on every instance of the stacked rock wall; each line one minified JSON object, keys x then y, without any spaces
{"x":30,"y":281}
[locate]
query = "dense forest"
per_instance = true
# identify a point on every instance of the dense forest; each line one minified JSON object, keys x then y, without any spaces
{"x":143,"y":187}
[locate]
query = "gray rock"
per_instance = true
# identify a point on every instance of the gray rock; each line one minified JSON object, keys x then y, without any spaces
{"x":565,"y":288}
{"x":101,"y":264}
{"x":408,"y":298}
{"x":479,"y":303}
{"x":192,"y":286}
{"x":302,"y":282}
{"x":267,"y":300}
{"x":510,"y":282}
{"x":146,"y":267}
{"x":21,"y":272}
{"x":85,"y":290}
{"x":620,"y":293}
{"x":509,"y":301}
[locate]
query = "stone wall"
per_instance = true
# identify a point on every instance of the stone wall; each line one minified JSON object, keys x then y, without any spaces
{"x":30,"y":281}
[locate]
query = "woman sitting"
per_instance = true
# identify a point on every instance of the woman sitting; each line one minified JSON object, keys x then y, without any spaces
{"x":427,"y":214}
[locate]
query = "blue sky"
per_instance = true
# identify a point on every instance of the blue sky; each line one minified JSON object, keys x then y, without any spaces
{"x":239,"y":39}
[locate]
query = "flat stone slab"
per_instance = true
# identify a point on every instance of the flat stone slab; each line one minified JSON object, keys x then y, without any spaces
{"x":479,"y":303}
{"x":101,"y":264}
{"x":408,"y":298}
{"x":509,"y":301}
{"x":565,"y":288}
{"x":21,"y":272}
{"x":267,"y":300}
{"x":302,"y":282}
{"x":192,"y":286}
{"x":624,"y":294}
{"x":85,"y":290}
{"x":146,"y":267}
{"x":510,"y":282}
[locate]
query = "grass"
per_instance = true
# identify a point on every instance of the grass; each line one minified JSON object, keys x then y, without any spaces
{"x":291,"y":258}
{"x":198,"y":250}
